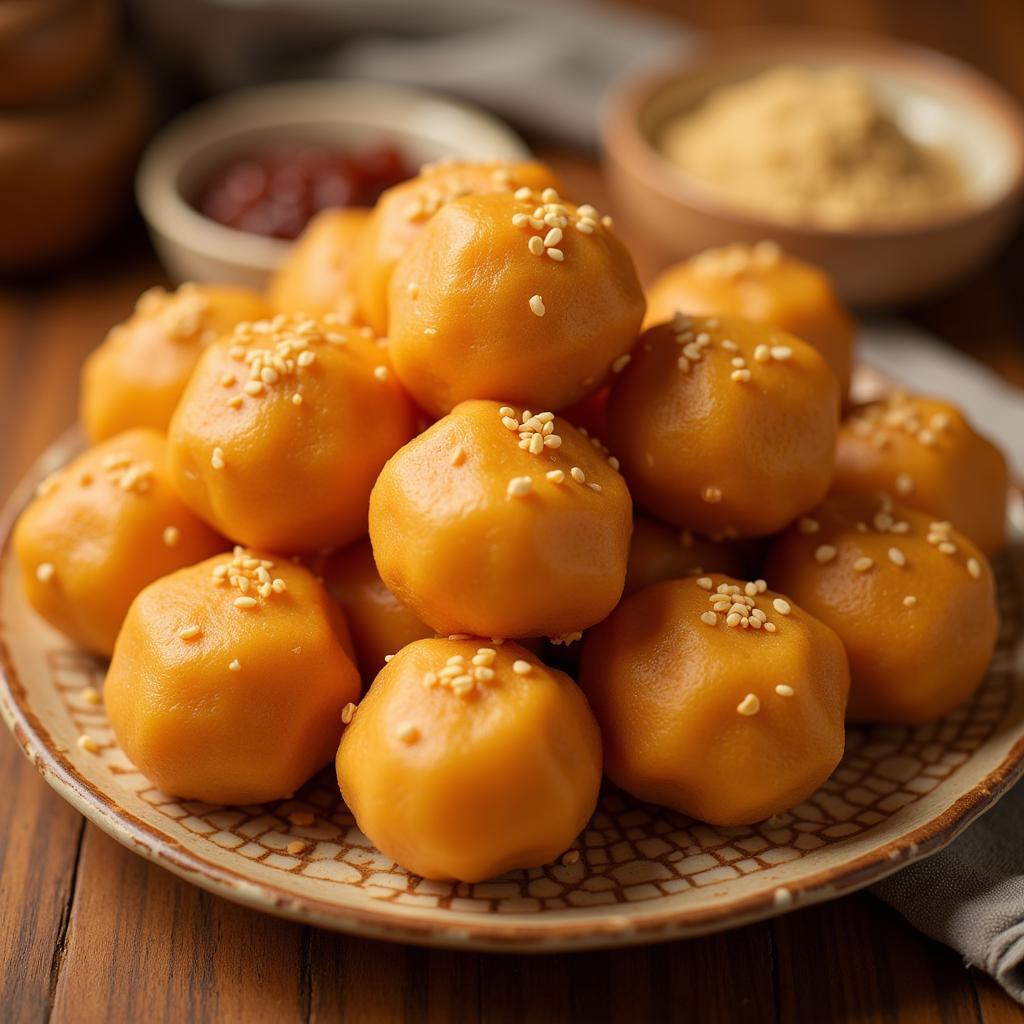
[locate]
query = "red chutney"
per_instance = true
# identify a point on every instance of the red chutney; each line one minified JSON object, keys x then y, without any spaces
{"x":276,"y":192}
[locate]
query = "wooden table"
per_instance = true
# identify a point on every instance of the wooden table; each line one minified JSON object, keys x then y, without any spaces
{"x":91,"y":932}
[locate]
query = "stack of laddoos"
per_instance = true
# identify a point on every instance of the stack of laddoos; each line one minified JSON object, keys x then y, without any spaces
{"x":475,"y":393}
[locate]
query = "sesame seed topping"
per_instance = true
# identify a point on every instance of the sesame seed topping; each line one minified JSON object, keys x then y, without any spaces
{"x":712,"y":495}
{"x":348,"y":711}
{"x":897,"y":557}
{"x":521,"y":668}
{"x":784,"y":690}
{"x":863,"y":564}
{"x":412,"y":290}
{"x":824,"y":554}
{"x":189,"y":632}
{"x":217,"y":458}
{"x":556,"y":476}
{"x":578,"y":475}
{"x":904,"y":484}
{"x":296,"y":846}
{"x":556,"y":254}
{"x":974,"y":568}
{"x":235,"y":666}
{"x":458,"y":456}
{"x":519,"y":486}
{"x":88,"y":744}
{"x":536,"y":245}
{"x":407,"y":732}
{"x":750,"y":705}
{"x":705,"y":582}
{"x":741,"y":376}
{"x":537,"y":305}
{"x":621,"y":363}
{"x":245,"y":602}
{"x":595,"y":487}
{"x":909,"y":601}
{"x":782,"y":606}
{"x":709,"y":618}
{"x":570,"y":857}
{"x":808,"y":525}
{"x":45,"y":572}
{"x":171,"y":536}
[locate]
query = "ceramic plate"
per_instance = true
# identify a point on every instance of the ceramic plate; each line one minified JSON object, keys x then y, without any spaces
{"x":644,"y":874}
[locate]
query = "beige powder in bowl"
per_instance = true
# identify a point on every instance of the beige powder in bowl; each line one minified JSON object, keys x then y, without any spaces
{"x":811,"y":147}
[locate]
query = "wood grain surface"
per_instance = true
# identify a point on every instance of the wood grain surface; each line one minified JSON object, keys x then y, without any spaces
{"x":91,"y":932}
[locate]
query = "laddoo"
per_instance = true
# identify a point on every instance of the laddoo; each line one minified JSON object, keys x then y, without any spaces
{"x":283,"y":430}
{"x":501,"y":522}
{"x":724,"y":426}
{"x":925,"y":454}
{"x":719,"y":698}
{"x":101,"y":529}
{"x":317,"y":276}
{"x":401,"y":212}
{"x":911,"y":598}
{"x":380,"y":623}
{"x":467,"y":759}
{"x":760,"y":282}
{"x":229,"y":679}
{"x":136,"y":376}
{"x":522,"y":297}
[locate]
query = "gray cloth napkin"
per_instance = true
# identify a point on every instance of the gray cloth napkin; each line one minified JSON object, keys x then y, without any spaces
{"x":971,"y":894}
{"x":545,"y":66}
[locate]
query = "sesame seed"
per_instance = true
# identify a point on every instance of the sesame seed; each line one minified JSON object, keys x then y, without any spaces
{"x":808,"y":525}
{"x":91,"y":695}
{"x":189,"y":632}
{"x":245,"y":602}
{"x":947,"y":548}
{"x":254,"y":388}
{"x":430,"y":331}
{"x":712,"y":495}
{"x":458,"y":456}
{"x":45,"y":572}
{"x":217,"y":458}
{"x":782,"y":606}
{"x":519,"y":486}
{"x":522,"y":668}
{"x":88,"y":744}
{"x":578,"y":475}
{"x":974,"y":568}
{"x":553,"y":237}
{"x":784,"y":690}
{"x":621,"y":363}
{"x":537,"y":305}
{"x":407,"y":732}
{"x":556,"y":476}
{"x":781,"y":352}
{"x":705,"y":583}
{"x":295,"y":846}
{"x":709,"y":618}
{"x":897,"y":557}
{"x":863,"y":564}
{"x":570,"y":857}
{"x":741,"y":376}
{"x":909,"y":601}
{"x":349,"y":710}
{"x":750,"y":705}
{"x":536,"y":245}
{"x":381,"y":373}
{"x":510,"y":422}
{"x":824,"y":554}
{"x":235,"y":666}
{"x":904,"y":483}
{"x":596,"y":488}
{"x":412,"y":290}
{"x":762,"y":353}
{"x":171,"y":536}
{"x":556,"y":254}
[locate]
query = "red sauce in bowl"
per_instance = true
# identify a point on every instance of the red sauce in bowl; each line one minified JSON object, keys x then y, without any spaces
{"x":276,"y":192}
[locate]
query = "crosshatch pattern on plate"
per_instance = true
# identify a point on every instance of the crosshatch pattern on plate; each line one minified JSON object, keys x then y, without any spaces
{"x":629,"y":853}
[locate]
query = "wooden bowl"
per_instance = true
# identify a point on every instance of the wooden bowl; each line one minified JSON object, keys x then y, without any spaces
{"x":933,"y":98}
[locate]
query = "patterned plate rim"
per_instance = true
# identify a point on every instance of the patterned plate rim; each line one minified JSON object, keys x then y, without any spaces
{"x":381,"y":921}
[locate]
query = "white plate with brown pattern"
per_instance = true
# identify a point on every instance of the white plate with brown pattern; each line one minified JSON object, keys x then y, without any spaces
{"x":637,"y":874}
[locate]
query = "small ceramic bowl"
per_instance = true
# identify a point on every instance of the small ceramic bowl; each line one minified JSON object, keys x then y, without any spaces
{"x":422,"y":125}
{"x":934,"y":99}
